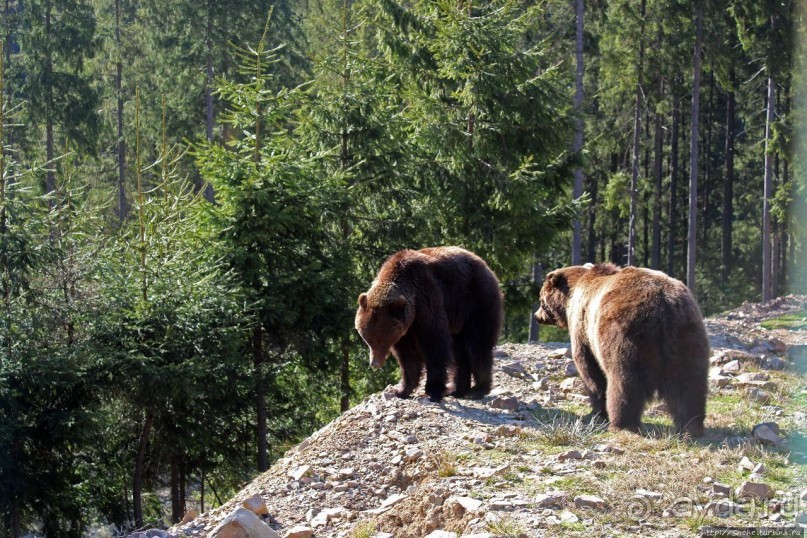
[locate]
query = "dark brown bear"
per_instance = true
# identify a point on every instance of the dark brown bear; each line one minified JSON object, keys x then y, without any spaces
{"x":635,"y":333}
{"x":435,"y":307}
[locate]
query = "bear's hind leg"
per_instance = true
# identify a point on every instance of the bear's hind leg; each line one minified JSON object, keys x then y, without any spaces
{"x":480,"y":335}
{"x":462,"y":367}
{"x":625,"y":401}
{"x":687,"y":405}
{"x":434,"y":345}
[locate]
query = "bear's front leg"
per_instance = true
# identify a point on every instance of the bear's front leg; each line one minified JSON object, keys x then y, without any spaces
{"x":434,"y":345}
{"x":411,"y":364}
{"x":593,"y":379}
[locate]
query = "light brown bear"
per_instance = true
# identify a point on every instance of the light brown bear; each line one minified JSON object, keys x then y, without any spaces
{"x":635,"y":333}
{"x":436,"y":307}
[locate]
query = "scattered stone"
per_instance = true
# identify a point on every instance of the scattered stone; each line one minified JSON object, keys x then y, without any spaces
{"x":241,"y":523}
{"x":750,"y":377}
{"x":801,"y":519}
{"x":392,"y":500}
{"x":256,"y":505}
{"x":721,"y":489}
{"x":776,"y":518}
{"x":509,"y":403}
{"x":571,"y":384}
{"x":192,"y":514}
{"x":803,"y":495}
{"x":541,"y":384}
{"x":559,"y":353}
{"x":500,"y":504}
{"x":774,"y":363}
{"x":300,"y":531}
{"x":758,"y":469}
{"x":767,"y":433}
{"x":722,"y":508}
{"x":570,"y":369}
{"x":731,"y":367}
{"x":442,"y":534}
{"x":746,"y":464}
{"x":551,"y":499}
{"x":570,"y":455}
{"x":720,"y":381}
{"x":755,"y":490}
{"x":300,"y":472}
{"x":469,"y":504}
{"x":515,"y":369}
{"x":599,"y":464}
{"x":413,"y":454}
{"x":568,"y":517}
{"x":589,"y":501}
{"x":508,"y":430}
{"x":647,"y":494}
{"x":411,"y":439}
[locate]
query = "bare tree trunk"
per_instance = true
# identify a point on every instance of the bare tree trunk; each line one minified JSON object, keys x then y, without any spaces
{"x":592,"y":215}
{"x":140,"y":458}
{"x":50,"y":177}
{"x":260,"y":399}
{"x":707,"y":166}
{"x":176,"y":514}
{"x":637,"y":128}
{"x":535,"y":330}
{"x":658,"y":149}
{"x":123,"y":207}
{"x":210,"y":196}
{"x":344,"y":403}
{"x":577,"y":189}
{"x":693,"y":151}
{"x":767,"y":290}
{"x":672,"y":213}
{"x":728,"y":188}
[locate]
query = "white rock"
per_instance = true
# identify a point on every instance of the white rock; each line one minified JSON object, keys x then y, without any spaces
{"x":722,"y":508}
{"x":300,"y":472}
{"x":509,"y":403}
{"x":731,"y":367}
{"x":589,"y":501}
{"x":551,"y":499}
{"x":442,"y":534}
{"x":300,"y":531}
{"x":767,"y":433}
{"x":746,"y":464}
{"x":568,"y":517}
{"x":468,"y":503}
{"x":256,"y":505}
{"x":241,"y":523}
{"x":648,"y":494}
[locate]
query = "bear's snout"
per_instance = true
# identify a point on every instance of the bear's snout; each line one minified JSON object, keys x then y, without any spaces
{"x":541,"y":316}
{"x":378,"y":358}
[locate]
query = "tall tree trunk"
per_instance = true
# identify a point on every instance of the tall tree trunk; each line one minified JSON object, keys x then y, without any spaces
{"x":577,"y":189}
{"x":658,"y":149}
{"x":692,"y":234}
{"x":672,"y":213}
{"x":344,"y":378}
{"x":592,"y":215}
{"x":182,"y":487}
{"x":210,"y":196}
{"x":535,"y":330}
{"x":50,"y":177}
{"x":767,"y":289}
{"x":176,"y":514}
{"x":260,"y":399}
{"x":637,"y":127}
{"x":728,"y":188}
{"x":707,"y":165}
{"x":123,"y":207}
{"x":140,"y":459}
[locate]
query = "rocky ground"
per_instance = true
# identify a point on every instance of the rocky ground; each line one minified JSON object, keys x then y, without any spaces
{"x":520,"y":463}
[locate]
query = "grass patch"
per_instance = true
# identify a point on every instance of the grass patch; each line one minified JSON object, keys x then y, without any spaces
{"x":506,"y":526}
{"x":446,"y":464}
{"x":365,"y":529}
{"x":560,"y":430}
{"x":795,"y":321}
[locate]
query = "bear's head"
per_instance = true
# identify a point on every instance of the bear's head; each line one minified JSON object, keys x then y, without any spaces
{"x":381,"y":322}
{"x":554,"y":298}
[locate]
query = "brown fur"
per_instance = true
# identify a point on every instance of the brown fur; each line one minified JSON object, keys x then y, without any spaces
{"x":635,"y":333}
{"x":434,"y":307}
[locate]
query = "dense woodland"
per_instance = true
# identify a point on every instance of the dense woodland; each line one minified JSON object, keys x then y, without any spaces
{"x":192,"y":195}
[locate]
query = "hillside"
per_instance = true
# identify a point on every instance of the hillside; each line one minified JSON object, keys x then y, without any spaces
{"x":518,"y":463}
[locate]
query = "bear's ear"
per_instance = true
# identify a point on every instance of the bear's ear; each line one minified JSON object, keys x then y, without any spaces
{"x":363,"y":300}
{"x":397,"y":307}
{"x":556,"y":279}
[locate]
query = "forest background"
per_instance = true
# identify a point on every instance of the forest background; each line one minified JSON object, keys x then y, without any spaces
{"x":193,"y":193}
